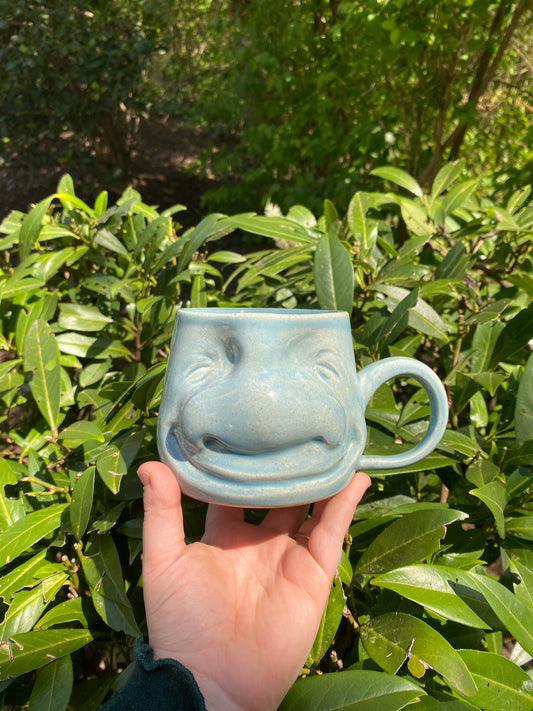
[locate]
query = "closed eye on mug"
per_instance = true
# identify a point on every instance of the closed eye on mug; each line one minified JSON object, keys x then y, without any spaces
{"x":328,"y":371}
{"x":200,"y":369}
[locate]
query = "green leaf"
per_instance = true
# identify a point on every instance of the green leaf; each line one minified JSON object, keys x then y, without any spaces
{"x":442,"y":702}
{"x":91,"y":347}
{"x":32,"y":650}
{"x":116,"y":459}
{"x":448,"y":592}
{"x":47,"y":265}
{"x":365,"y":231}
{"x":395,"y":638}
{"x":454,"y":264}
{"x":111,"y":468}
{"x":520,"y":480}
{"x":198,"y":292}
{"x":31,"y":226}
{"x":495,"y":496}
{"x":329,"y":623}
{"x":105,"y":238}
{"x":352,"y":691}
{"x":446,"y":176}
{"x":41,"y":359}
{"x":398,"y":177}
{"x":28,"y":605}
{"x":52,"y":690}
{"x":483,"y":344}
{"x":524,"y":404}
{"x":11,"y":509}
{"x":422,"y":317}
{"x":333,"y":275}
{"x":78,"y":317}
{"x":521,"y":527}
{"x":210,"y":228}
{"x":28,"y":530}
{"x":18,"y":283}
{"x":465,"y":388}
{"x":458,"y":195}
{"x":510,"y":610}
{"x":481,"y":472}
{"x":345,"y":569}
{"x":524,"y":589}
{"x":280,"y":228}
{"x":407,"y":540}
{"x":489,"y":381}
{"x":416,"y":218}
{"x":515,"y":336}
{"x":501,"y":684}
{"x":492,"y":312}
{"x":75,"y":609}
{"x":102,"y":567}
{"x":80,"y":432}
{"x":82,"y":501}
{"x":302,"y":215}
{"x":21,"y":576}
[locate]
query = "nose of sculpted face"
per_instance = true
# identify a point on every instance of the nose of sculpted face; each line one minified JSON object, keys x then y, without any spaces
{"x":253,"y":412}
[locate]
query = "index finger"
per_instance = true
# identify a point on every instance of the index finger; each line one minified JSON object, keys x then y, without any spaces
{"x":330,"y":521}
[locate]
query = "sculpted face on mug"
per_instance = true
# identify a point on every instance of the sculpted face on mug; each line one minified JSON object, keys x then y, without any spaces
{"x":262,"y":409}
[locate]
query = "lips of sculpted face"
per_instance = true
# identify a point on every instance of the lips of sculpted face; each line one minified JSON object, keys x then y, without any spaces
{"x":263,"y":407}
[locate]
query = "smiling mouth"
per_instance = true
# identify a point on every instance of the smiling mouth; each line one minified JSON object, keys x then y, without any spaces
{"x":238,"y":463}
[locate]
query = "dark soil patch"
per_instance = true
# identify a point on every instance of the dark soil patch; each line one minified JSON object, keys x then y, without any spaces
{"x":163,"y":169}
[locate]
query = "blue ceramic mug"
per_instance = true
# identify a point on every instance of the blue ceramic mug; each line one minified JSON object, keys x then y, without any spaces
{"x":264,"y":407}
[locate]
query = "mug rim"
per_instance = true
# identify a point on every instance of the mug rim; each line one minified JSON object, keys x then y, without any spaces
{"x":242,"y":312}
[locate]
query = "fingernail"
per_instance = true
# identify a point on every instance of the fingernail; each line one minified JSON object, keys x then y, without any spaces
{"x":144,"y":476}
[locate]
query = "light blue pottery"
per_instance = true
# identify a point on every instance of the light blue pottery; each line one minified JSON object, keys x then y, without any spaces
{"x":264,"y":408}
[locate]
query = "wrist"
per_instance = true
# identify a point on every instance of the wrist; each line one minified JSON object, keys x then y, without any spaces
{"x":167,"y":677}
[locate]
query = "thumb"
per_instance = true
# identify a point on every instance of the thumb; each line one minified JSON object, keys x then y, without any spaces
{"x":163,"y":534}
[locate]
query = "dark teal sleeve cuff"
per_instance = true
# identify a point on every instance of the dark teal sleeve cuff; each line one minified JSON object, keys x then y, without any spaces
{"x":156,"y":685}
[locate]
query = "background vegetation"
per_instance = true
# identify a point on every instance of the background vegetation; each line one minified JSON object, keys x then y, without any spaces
{"x":340,"y":121}
{"x":296,"y":101}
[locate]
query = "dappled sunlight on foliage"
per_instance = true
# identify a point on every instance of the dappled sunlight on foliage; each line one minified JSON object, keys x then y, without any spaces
{"x":435,"y":584}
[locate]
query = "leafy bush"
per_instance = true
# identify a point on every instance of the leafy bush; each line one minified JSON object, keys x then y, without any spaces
{"x":73,"y":70}
{"x":325,"y":91}
{"x":435,"y":586}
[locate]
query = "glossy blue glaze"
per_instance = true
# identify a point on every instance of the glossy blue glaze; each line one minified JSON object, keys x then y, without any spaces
{"x":264,"y":408}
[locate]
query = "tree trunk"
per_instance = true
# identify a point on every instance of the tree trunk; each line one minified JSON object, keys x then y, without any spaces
{"x":486,"y":69}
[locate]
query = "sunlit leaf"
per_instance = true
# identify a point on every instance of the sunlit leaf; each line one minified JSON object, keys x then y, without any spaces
{"x":82,"y":500}
{"x":407,"y":540}
{"x":495,"y":496}
{"x":500,"y":683}
{"x":398,"y":177}
{"x":395,"y":638}
{"x":329,"y":623}
{"x":333,"y":275}
{"x":352,"y":691}
{"x":85,"y":318}
{"x":29,"y":530}
{"x":102,"y":568}
{"x":32,"y":650}
{"x":448,"y":592}
{"x":41,"y":359}
{"x":524,"y":404}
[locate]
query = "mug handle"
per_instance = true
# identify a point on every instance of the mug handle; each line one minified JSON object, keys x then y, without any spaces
{"x":374,"y":375}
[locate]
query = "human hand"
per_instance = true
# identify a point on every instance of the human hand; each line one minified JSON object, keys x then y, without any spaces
{"x":241,"y":608}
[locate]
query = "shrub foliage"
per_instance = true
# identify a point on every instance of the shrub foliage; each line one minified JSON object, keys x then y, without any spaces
{"x":435,"y":587}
